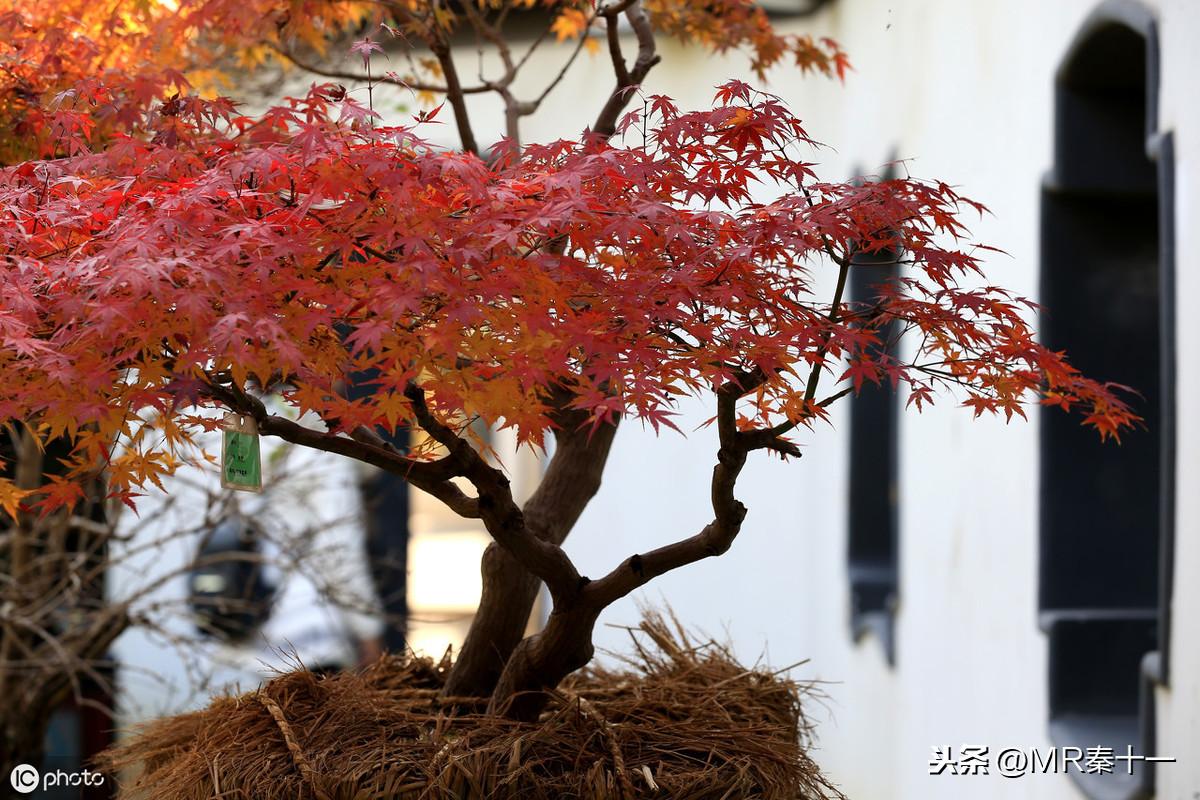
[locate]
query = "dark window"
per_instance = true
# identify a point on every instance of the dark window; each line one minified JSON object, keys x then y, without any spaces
{"x":872,"y":522}
{"x":386,"y":506}
{"x":386,"y":518}
{"x":1106,"y":510}
{"x":793,"y":8}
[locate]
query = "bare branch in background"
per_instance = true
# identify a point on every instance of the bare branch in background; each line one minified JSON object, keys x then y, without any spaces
{"x":628,"y":78}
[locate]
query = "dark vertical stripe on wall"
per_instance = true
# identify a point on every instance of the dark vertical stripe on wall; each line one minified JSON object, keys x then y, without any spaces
{"x":1167,"y":415}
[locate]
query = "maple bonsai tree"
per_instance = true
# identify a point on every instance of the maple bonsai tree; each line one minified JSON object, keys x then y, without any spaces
{"x":165,"y":254}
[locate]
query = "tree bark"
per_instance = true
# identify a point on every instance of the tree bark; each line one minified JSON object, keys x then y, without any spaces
{"x":540,"y":662}
{"x":509,"y":590}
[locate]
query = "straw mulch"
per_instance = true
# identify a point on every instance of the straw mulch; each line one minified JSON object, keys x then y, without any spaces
{"x":683,"y":721}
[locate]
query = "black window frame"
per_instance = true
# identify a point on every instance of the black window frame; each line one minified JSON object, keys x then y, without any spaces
{"x":1094,"y":648}
{"x":873,"y":475}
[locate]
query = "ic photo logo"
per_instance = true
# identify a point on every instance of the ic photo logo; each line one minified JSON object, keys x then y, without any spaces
{"x":25,"y":778}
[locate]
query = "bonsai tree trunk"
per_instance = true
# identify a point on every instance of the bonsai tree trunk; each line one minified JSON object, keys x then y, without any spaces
{"x":509,"y":590}
{"x":541,"y":661}
{"x":538,"y":663}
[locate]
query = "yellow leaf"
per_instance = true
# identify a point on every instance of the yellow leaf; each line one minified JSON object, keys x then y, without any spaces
{"x":11,"y":497}
{"x":569,"y":24}
{"x":393,"y":406}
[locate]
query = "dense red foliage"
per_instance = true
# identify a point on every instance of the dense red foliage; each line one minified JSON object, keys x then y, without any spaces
{"x":195,"y":252}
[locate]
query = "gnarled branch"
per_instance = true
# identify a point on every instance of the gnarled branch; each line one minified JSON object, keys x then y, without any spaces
{"x":501,"y":516}
{"x":728,"y":512}
{"x":433,"y":477}
{"x":571,"y":479}
{"x":628,"y":78}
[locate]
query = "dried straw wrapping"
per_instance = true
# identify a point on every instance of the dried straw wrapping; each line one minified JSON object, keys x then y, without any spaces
{"x":683,"y":721}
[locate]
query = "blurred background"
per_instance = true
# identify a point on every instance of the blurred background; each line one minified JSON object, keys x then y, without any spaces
{"x":954,"y":582}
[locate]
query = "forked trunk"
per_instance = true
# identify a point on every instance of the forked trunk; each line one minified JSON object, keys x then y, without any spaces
{"x":509,"y":592}
{"x":540,"y":662}
{"x":572,"y":478}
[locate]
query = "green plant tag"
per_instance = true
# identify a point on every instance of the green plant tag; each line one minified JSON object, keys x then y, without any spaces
{"x":241,"y":463}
